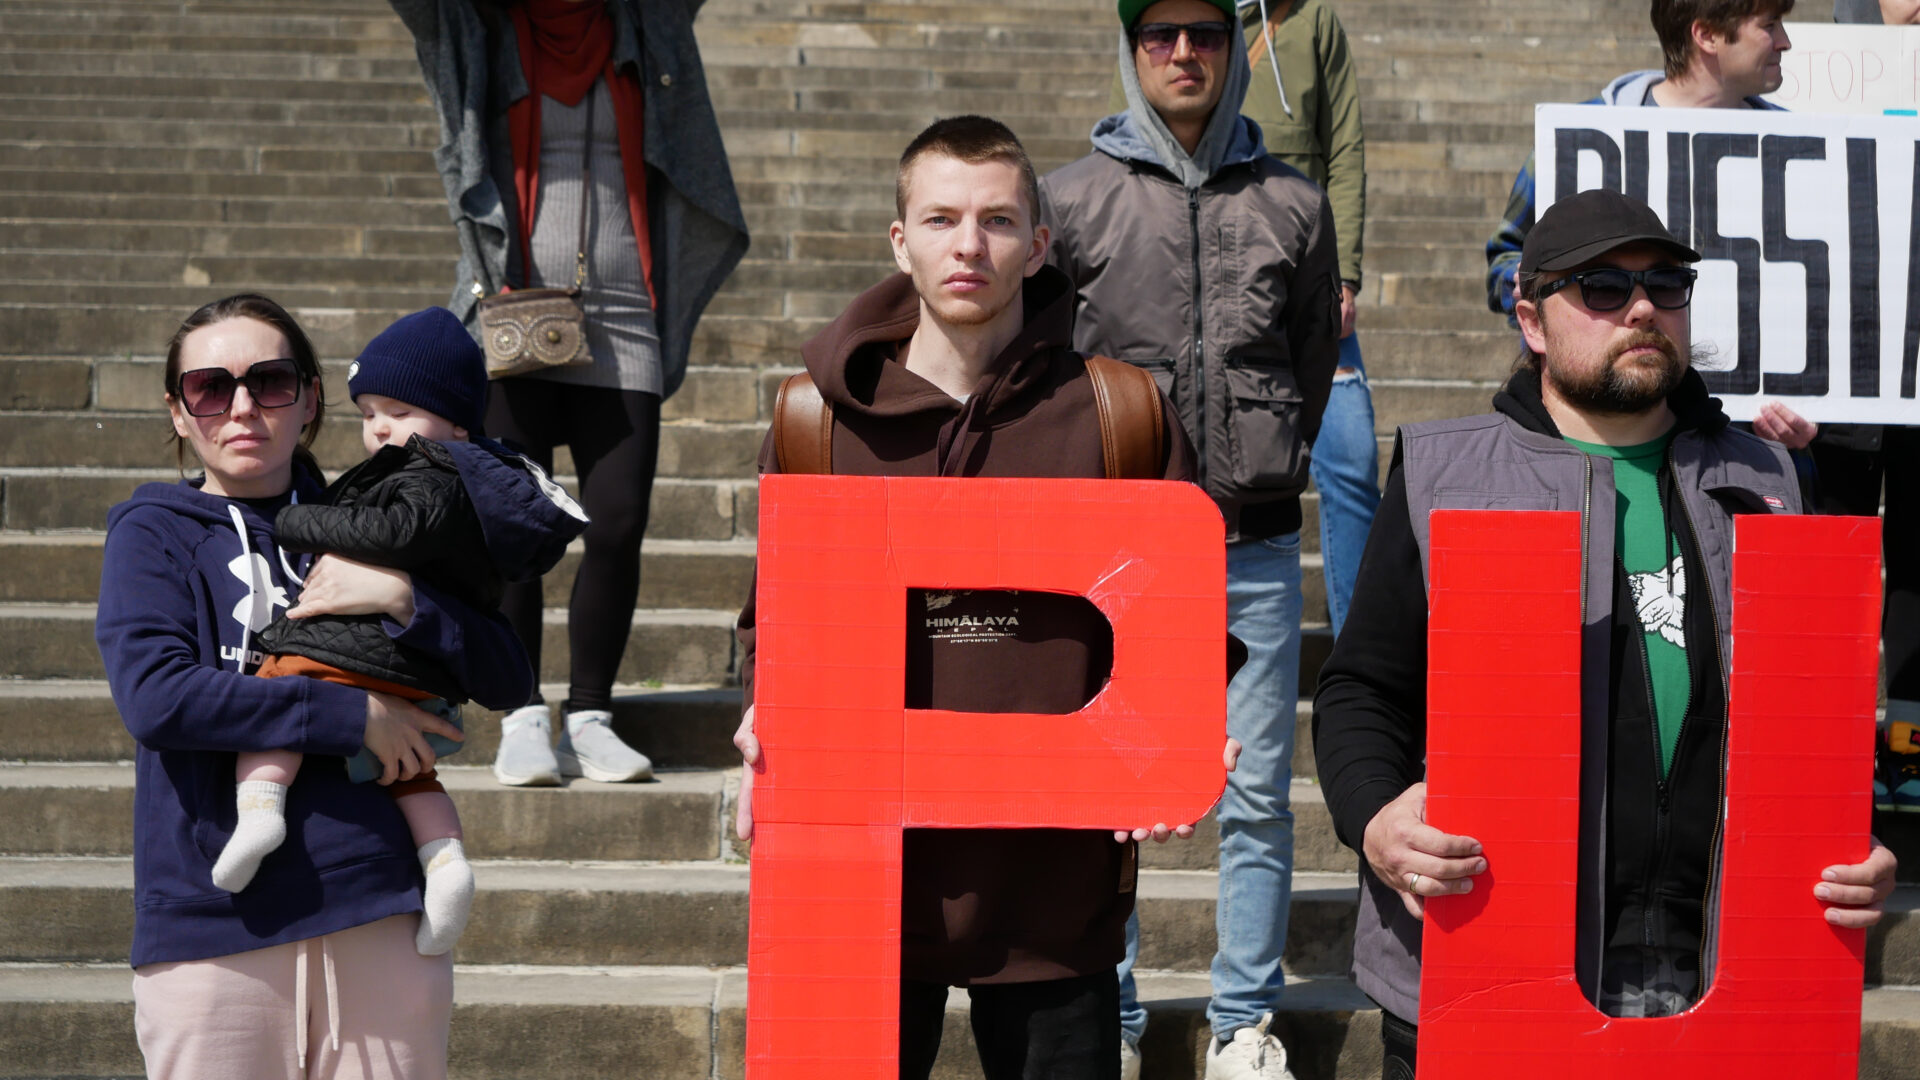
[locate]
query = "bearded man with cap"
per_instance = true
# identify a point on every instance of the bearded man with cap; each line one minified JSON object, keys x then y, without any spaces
{"x":1197,"y":255}
{"x":1603,"y":414}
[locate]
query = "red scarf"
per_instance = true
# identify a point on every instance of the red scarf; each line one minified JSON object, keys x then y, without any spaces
{"x":564,"y":48}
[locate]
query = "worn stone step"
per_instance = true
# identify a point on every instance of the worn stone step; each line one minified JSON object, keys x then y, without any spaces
{"x":88,"y":810}
{"x":55,"y":641}
{"x":688,"y":449}
{"x":74,"y":720}
{"x":539,"y":911}
{"x":241,"y":133}
{"x":1441,"y":354}
{"x":27,"y":176}
{"x":80,"y":809}
{"x":199,"y":85}
{"x":408,"y":213}
{"x":92,"y":102}
{"x":293,"y":66}
{"x":584,"y":1023}
{"x":673,"y":573}
{"x":66,"y":498}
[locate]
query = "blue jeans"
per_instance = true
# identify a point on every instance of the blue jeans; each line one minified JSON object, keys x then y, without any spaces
{"x":1346,"y":472}
{"x":1256,"y":820}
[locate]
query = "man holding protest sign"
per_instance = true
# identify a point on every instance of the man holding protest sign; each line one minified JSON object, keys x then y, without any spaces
{"x":1604,"y":414}
{"x":960,"y":366}
{"x":1197,"y":255}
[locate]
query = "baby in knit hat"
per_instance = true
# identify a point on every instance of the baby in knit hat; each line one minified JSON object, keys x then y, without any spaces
{"x":438,"y":500}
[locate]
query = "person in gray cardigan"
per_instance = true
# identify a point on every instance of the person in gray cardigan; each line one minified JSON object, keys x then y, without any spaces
{"x":563,"y":118}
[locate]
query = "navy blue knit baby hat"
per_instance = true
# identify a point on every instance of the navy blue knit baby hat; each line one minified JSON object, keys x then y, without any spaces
{"x":428,"y":360}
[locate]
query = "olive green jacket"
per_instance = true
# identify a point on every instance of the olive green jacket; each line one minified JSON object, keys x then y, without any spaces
{"x":1323,"y":137}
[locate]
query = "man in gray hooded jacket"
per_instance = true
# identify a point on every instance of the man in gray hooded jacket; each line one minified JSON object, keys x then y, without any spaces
{"x":1198,"y":256}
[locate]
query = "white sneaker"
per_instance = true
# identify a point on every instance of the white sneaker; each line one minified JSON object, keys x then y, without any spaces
{"x":1129,"y":1060}
{"x":525,"y":757}
{"x":1252,"y":1054}
{"x":588,"y":747}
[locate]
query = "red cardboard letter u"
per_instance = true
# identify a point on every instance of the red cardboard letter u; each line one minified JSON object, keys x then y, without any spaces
{"x":1497,"y":995}
{"x":848,"y":766}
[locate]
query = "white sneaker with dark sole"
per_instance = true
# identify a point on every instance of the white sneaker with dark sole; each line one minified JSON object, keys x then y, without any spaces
{"x":588,"y":747}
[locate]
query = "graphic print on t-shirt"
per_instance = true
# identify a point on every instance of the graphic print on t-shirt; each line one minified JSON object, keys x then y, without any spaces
{"x":1660,"y":598}
{"x":980,"y":618}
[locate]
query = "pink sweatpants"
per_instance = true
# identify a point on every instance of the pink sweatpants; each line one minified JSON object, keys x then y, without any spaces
{"x":361,"y":1004}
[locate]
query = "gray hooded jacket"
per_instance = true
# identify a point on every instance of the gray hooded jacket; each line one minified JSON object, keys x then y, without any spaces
{"x":1216,"y":271}
{"x":697,"y":230}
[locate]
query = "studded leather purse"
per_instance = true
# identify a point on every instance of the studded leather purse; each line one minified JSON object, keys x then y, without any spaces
{"x":526,"y":330}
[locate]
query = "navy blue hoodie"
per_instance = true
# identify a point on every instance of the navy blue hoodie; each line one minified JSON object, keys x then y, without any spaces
{"x":189,"y":579}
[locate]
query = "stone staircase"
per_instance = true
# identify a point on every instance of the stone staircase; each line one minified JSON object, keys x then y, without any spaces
{"x":155,"y":155}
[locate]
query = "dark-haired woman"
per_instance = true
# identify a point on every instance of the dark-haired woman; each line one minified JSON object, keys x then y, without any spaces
{"x":535,"y":97}
{"x":312,"y":970}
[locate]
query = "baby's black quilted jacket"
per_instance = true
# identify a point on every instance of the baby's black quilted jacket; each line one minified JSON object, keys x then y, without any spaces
{"x":467,"y":517}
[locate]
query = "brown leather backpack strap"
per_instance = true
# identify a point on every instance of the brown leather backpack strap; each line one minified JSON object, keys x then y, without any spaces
{"x":1132,"y":427}
{"x":802,"y":427}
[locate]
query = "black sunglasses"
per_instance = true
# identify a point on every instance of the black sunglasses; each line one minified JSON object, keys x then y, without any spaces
{"x":1161,"y":38}
{"x":1606,"y":288}
{"x":273,"y":384}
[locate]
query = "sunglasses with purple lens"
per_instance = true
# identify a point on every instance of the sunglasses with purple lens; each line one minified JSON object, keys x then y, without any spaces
{"x":273,"y":384}
{"x":1159,"y":39}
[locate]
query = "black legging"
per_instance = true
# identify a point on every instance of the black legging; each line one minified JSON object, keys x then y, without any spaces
{"x":615,"y":439}
{"x":1851,"y":482}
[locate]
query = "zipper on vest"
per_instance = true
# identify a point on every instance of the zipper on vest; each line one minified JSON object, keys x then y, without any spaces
{"x":1707,"y":905}
{"x":1199,"y":351}
{"x":1586,"y":537}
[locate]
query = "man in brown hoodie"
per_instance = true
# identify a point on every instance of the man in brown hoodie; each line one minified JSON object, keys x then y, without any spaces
{"x":962,"y":365}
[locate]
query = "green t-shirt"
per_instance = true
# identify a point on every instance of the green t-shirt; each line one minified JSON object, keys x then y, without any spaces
{"x":1656,"y":572}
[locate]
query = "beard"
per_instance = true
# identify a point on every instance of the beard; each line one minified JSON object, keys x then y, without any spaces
{"x":1621,"y":386}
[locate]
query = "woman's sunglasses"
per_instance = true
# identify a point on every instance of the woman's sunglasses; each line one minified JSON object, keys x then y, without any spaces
{"x":1608,"y":289}
{"x":272,"y":384}
{"x":1159,"y":39}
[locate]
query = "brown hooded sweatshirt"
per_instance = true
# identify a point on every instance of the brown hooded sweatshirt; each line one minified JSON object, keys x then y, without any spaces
{"x":987,"y":905}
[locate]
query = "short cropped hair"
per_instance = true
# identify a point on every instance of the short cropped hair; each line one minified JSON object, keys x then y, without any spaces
{"x":974,"y":140}
{"x":1673,"y":22}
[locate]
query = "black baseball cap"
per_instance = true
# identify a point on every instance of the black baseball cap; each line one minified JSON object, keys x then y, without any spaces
{"x":1590,"y":224}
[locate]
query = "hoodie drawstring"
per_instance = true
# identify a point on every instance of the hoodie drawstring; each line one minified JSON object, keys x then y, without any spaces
{"x":300,"y":1019}
{"x":953,"y":441}
{"x":1267,"y":31}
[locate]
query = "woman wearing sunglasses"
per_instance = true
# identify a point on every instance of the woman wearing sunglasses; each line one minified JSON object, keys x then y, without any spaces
{"x":312,"y":970}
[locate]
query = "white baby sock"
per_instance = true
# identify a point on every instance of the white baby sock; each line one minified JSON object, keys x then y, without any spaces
{"x":261,"y":827}
{"x":448,"y":897}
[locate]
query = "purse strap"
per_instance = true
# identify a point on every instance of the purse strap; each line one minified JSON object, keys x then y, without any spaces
{"x":586,"y":204}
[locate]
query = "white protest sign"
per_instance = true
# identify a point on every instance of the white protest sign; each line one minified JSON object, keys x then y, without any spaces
{"x":1850,"y":69}
{"x":1809,"y":288}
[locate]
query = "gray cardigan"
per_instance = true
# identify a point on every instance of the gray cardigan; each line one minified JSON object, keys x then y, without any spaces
{"x":696,"y":229}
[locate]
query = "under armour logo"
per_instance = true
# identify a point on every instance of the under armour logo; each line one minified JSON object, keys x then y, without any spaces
{"x":255,"y":610}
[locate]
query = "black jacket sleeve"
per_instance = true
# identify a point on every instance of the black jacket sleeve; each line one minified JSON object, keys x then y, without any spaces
{"x":1370,"y":712}
{"x":402,"y":533}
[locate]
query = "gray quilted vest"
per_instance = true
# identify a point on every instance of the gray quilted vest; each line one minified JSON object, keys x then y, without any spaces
{"x":1490,"y":462}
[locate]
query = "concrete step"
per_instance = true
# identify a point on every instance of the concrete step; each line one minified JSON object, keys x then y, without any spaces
{"x":207,"y":209}
{"x":527,"y":911}
{"x":74,"y":720}
{"x":79,"y":910}
{"x":580,"y":1023}
{"x":710,"y":574}
{"x":68,"y":498}
{"x":81,"y":809}
{"x":55,"y":641}
{"x":688,"y":449}
{"x":26,"y":176}
{"x":88,"y":810}
{"x":1440,"y":354}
